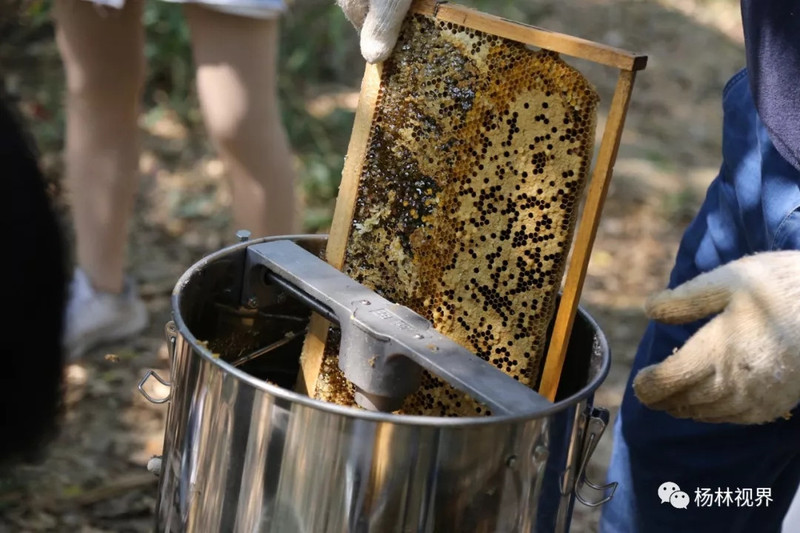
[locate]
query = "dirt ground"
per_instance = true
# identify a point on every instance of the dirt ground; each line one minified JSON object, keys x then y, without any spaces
{"x":93,"y":478}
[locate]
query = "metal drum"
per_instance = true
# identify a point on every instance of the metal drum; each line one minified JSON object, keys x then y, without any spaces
{"x":243,"y":452}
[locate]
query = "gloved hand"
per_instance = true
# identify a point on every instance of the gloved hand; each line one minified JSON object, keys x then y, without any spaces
{"x":743,"y":366}
{"x":379,"y":22}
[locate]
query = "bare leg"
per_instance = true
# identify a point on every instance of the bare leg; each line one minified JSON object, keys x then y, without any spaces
{"x":102,"y":54}
{"x":236,"y":80}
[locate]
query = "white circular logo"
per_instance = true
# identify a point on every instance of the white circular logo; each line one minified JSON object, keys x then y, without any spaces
{"x":666,"y":489}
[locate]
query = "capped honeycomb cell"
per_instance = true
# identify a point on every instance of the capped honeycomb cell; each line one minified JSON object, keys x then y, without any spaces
{"x":477,"y":156}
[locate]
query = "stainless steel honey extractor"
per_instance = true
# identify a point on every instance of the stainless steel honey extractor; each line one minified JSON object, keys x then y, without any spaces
{"x":243,"y":452}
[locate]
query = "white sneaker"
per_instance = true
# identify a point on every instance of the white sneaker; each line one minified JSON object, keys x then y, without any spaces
{"x":95,"y":317}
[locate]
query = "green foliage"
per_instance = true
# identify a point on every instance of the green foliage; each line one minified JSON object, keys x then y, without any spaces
{"x":318,"y":45}
{"x":20,"y":20}
{"x":27,"y":32}
{"x":680,"y":207}
{"x":319,"y":48}
{"x":168,"y":53}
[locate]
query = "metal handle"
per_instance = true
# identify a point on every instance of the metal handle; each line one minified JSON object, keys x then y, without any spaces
{"x":171,"y":332}
{"x":596,"y":425}
{"x":384,"y":346}
{"x":154,"y":374}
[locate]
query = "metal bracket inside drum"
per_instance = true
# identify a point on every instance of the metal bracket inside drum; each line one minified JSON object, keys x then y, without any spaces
{"x":384,"y":345}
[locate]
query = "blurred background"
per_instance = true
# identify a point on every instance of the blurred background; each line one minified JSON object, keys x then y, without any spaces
{"x":93,"y":477}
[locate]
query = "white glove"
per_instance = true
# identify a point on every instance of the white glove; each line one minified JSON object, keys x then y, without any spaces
{"x":379,"y":22}
{"x":744,"y":365}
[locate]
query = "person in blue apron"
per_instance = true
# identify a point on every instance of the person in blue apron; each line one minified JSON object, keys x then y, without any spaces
{"x":101,"y":42}
{"x":710,"y":410}
{"x":708,"y":437}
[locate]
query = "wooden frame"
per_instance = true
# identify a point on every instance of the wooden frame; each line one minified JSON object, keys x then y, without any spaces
{"x":627,"y":63}
{"x":538,"y":37}
{"x":585,"y":235}
{"x":314,"y":346}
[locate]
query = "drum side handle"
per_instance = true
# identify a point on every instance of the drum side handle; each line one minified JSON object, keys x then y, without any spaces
{"x":171,"y":332}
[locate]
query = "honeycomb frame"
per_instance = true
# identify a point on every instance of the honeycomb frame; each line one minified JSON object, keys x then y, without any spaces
{"x":353,"y":216}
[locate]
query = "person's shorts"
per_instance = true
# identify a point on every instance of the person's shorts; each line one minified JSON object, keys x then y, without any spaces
{"x":265,"y":9}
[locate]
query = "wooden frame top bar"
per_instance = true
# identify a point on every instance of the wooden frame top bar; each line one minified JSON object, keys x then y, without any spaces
{"x":541,"y":38}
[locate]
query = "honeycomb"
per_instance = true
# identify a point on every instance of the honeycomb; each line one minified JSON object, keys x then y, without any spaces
{"x":477,"y":156}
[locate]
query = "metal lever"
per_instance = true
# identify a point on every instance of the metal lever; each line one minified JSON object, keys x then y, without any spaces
{"x":385,"y":346}
{"x":596,"y":425}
